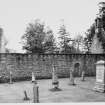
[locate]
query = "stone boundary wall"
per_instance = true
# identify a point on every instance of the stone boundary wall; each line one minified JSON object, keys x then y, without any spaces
{"x":22,"y":65}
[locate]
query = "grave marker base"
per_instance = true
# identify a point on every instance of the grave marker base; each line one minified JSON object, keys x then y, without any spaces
{"x":56,"y":85}
{"x":11,"y":83}
{"x":99,"y":87}
{"x":26,"y":99}
{"x":55,"y":89}
{"x":83,"y":79}
{"x":34,"y":82}
{"x":71,"y":82}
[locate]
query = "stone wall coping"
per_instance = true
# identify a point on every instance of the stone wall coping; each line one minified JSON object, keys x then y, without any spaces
{"x":49,"y":54}
{"x":100,"y":62}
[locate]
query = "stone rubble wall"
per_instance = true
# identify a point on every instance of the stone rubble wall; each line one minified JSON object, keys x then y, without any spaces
{"x":22,"y":65}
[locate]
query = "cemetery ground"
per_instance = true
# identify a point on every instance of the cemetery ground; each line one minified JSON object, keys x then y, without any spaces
{"x":81,"y":92}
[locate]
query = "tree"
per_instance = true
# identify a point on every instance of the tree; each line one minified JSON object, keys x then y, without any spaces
{"x":49,"y":42}
{"x":34,"y":39}
{"x":98,"y":29}
{"x":65,"y":39}
{"x":89,"y":34}
{"x":79,"y":41}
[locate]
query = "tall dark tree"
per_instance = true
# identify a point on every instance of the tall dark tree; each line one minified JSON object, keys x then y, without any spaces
{"x":34,"y":39}
{"x":89,"y":34}
{"x":49,"y":42}
{"x":98,"y":28}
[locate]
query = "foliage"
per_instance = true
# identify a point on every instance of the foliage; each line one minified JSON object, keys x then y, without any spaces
{"x":49,"y":42}
{"x":34,"y":39}
{"x":78,"y":43}
{"x":64,"y":40}
{"x":89,"y":37}
{"x":100,"y":33}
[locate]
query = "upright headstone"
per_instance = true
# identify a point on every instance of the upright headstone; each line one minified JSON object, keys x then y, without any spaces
{"x":83,"y":76}
{"x":33,"y":77}
{"x":71,"y":82}
{"x":55,"y":81}
{"x":100,"y":76}
{"x":10,"y":81}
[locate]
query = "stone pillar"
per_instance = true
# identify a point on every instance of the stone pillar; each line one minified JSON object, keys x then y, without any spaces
{"x":35,"y":93}
{"x":100,"y":76}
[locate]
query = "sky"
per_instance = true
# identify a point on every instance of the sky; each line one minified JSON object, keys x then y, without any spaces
{"x":15,"y":15}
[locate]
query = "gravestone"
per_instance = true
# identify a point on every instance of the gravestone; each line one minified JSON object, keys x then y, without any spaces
{"x":35,"y":93}
{"x":83,"y":76}
{"x":55,"y":81}
{"x":71,"y":81}
{"x":33,"y":77}
{"x":10,"y":81}
{"x":26,"y":97}
{"x":100,"y":76}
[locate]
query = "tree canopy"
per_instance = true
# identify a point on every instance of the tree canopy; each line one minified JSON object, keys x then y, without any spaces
{"x":64,"y":39}
{"x":36,"y":39}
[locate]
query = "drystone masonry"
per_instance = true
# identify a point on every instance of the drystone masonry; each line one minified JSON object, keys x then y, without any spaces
{"x":22,"y":65}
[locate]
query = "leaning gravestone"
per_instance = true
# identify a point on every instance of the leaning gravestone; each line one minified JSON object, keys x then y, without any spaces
{"x":26,"y":97}
{"x":100,"y":76}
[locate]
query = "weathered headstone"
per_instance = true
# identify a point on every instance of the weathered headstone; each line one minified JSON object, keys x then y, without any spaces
{"x":71,"y":82}
{"x":83,"y":76}
{"x":100,"y":76}
{"x":25,"y":96}
{"x":55,"y":81}
{"x":35,"y":93}
{"x":33,"y":78}
{"x":10,"y":74}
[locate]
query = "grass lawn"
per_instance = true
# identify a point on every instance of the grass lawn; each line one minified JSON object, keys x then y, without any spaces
{"x":81,"y":92}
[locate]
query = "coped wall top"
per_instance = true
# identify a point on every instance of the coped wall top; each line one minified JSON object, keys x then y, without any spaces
{"x":101,"y":62}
